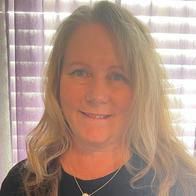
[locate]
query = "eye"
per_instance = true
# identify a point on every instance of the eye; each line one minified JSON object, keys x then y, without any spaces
{"x":80,"y":73}
{"x":117,"y":77}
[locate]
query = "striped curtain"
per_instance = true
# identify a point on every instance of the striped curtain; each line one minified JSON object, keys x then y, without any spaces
{"x":30,"y":25}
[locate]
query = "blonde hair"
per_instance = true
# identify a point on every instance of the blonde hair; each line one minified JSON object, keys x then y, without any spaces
{"x":151,"y":135}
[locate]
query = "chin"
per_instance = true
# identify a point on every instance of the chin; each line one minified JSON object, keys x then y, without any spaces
{"x":97,"y":140}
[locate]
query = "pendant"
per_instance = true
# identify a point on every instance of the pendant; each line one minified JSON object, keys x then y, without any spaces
{"x":85,"y":194}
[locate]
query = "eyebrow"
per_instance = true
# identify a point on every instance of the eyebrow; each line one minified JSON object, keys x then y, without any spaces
{"x":75,"y":63}
{"x":117,"y":67}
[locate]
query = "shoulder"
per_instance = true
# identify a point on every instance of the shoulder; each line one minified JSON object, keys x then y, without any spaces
{"x":189,"y":189}
{"x":151,"y":180}
{"x":13,"y":183}
{"x":185,"y":181}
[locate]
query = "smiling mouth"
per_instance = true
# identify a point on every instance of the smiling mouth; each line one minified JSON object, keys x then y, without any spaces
{"x":96,"y":116}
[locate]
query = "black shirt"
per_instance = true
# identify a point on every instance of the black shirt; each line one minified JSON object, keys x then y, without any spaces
{"x":118,"y":186}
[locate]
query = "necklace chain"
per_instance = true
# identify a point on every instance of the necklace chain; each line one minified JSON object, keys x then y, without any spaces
{"x":102,"y":186}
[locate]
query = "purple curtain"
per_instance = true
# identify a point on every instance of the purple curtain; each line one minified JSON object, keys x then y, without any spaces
{"x":26,"y":41}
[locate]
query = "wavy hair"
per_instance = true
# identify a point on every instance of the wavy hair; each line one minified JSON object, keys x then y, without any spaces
{"x":150,"y":135}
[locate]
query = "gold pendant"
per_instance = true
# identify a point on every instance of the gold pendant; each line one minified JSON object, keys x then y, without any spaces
{"x":85,"y":194}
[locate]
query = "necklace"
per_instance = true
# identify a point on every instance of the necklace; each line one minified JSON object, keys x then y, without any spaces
{"x":87,"y":194}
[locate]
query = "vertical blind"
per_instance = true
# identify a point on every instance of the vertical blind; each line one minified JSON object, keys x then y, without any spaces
{"x":32,"y":23}
{"x":173,"y":27}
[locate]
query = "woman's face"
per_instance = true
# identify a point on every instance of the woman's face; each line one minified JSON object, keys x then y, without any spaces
{"x":95,"y":92}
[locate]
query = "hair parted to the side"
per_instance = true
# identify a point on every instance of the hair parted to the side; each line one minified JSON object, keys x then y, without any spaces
{"x":150,"y":136}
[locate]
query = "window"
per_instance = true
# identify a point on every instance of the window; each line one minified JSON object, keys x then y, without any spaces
{"x":173,"y":27}
{"x":32,"y":23}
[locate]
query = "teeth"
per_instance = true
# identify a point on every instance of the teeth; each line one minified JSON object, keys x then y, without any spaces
{"x":100,"y":116}
{"x":97,"y":116}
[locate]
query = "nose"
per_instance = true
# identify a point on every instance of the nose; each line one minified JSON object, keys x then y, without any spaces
{"x":98,"y":92}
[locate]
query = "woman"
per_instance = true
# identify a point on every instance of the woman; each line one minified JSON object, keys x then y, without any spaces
{"x":106,"y":127}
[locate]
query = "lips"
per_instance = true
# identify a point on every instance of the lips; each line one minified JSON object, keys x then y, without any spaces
{"x":97,"y":116}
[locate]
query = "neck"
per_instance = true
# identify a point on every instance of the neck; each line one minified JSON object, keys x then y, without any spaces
{"x":92,"y":163}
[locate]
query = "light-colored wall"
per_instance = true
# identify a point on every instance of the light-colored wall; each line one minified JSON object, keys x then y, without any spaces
{"x":5,"y":139}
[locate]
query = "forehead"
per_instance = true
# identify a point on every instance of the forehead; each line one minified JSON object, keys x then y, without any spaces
{"x":92,"y":42}
{"x":91,"y":33}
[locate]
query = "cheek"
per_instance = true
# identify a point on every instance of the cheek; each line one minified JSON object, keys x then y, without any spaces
{"x":123,"y":99}
{"x":70,"y":95}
